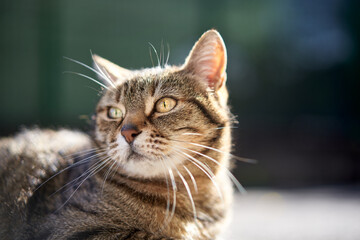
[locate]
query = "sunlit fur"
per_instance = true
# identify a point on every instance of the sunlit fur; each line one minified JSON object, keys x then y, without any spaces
{"x":171,"y":182}
{"x":197,"y":111}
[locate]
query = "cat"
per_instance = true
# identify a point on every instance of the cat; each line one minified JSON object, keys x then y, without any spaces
{"x":155,"y":167}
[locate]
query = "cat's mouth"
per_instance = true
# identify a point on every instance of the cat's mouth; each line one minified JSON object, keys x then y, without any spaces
{"x":136,"y":156}
{"x":138,"y":159}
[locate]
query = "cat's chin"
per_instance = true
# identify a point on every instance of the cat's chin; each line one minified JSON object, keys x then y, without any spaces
{"x":135,"y":156}
{"x":143,"y":167}
{"x":140,"y":166}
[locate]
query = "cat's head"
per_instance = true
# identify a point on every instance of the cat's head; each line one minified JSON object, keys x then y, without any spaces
{"x":158,"y":118}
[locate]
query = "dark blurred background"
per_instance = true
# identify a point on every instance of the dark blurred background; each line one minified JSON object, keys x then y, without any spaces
{"x":293,"y":73}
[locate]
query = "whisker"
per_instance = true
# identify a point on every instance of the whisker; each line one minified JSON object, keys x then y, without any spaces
{"x":115,"y":170}
{"x":83,"y":161}
{"x":157,"y":56}
{"x":99,"y":92}
{"x":247,"y":160}
{"x":83,"y":64}
{"x":90,"y":78}
{"x":189,"y":194}
{"x":105,"y":75}
{"x":205,"y":169}
{"x":162,"y":53}
{"x":233,"y":178}
{"x":90,"y":175}
{"x":225,"y":127}
{"x":173,"y":183}
{"x":84,"y":152}
{"x":168,"y":192}
{"x":192,"y":178}
{"x":98,"y":162}
{"x":188,"y":133}
{"x":117,"y":165}
{"x":90,"y":68}
{"x":152,"y":61}
{"x":106,"y":175}
{"x":168,"y":54}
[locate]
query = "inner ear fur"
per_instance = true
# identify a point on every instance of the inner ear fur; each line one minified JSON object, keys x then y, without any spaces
{"x":208,"y":59}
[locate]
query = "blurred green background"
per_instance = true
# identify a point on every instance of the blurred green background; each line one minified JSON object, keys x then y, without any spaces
{"x":293,"y":73}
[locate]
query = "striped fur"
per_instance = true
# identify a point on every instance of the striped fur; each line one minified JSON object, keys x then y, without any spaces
{"x":168,"y":183}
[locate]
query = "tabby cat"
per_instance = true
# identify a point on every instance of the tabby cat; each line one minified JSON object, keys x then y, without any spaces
{"x":155,"y":166}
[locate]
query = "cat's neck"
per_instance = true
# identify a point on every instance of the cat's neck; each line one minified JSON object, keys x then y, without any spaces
{"x":156,"y":198}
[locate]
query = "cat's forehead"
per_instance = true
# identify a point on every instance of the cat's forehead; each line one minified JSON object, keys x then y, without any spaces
{"x":150,"y":83}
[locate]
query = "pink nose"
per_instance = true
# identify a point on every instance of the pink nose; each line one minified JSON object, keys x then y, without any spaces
{"x":129,"y":132}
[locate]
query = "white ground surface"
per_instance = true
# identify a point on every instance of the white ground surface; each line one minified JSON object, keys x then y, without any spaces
{"x":308,"y":214}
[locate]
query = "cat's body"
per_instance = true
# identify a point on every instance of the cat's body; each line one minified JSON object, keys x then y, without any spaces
{"x":156,"y":167}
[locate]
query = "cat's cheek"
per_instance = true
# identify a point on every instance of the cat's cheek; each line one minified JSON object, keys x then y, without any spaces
{"x":100,"y":136}
{"x":122,"y":151}
{"x":141,"y":144}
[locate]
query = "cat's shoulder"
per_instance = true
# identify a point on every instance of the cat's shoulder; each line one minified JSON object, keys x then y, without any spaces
{"x":36,"y":140}
{"x":26,"y":160}
{"x":41,"y":146}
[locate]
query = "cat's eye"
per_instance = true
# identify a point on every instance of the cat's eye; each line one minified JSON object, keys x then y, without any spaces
{"x":165,"y":105}
{"x":115,"y":113}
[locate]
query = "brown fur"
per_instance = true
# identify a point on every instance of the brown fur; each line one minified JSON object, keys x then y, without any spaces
{"x":130,"y":202}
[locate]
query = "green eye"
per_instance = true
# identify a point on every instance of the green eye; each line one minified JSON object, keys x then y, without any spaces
{"x":115,"y":113}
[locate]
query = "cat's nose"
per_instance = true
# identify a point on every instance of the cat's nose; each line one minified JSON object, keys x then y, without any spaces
{"x":129,"y":132}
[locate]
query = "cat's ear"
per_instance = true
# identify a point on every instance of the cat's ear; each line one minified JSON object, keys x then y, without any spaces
{"x":111,"y":70}
{"x":207,"y":60}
